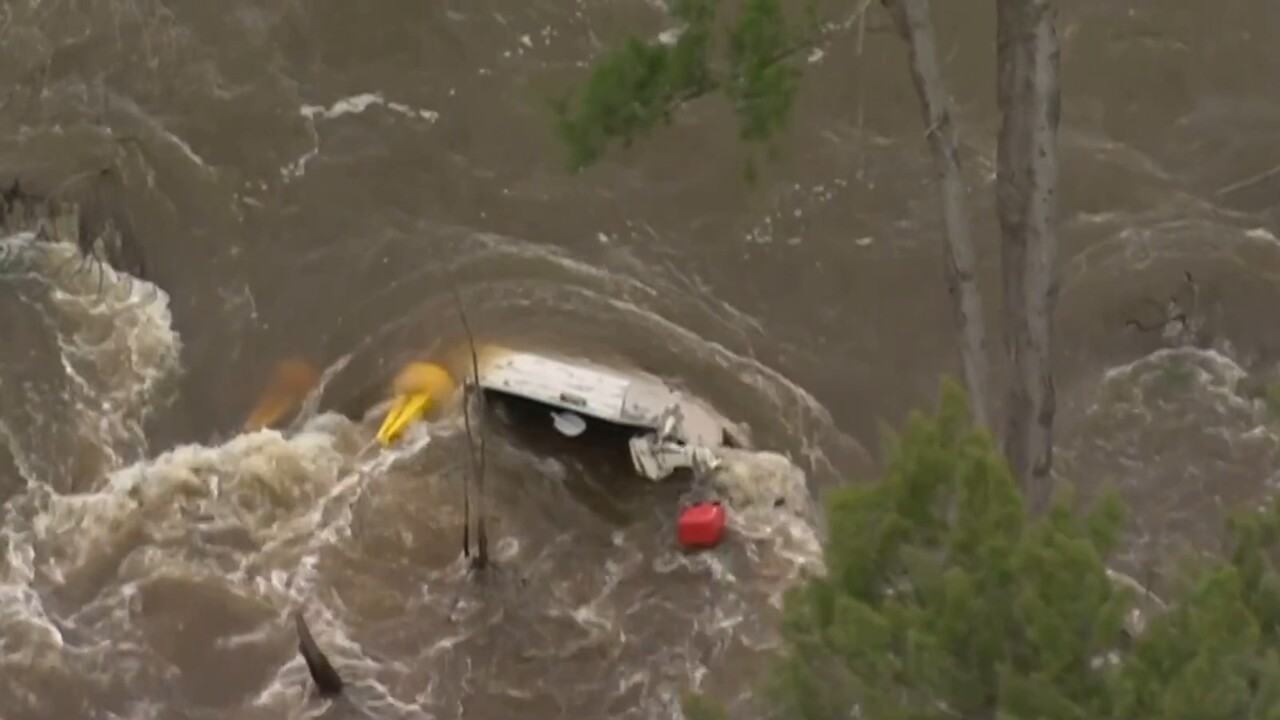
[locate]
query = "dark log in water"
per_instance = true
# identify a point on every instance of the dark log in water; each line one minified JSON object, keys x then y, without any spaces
{"x":328,"y":681}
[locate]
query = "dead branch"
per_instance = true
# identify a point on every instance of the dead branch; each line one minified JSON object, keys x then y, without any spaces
{"x":471,"y":471}
{"x":915,"y":26}
{"x":475,"y":450}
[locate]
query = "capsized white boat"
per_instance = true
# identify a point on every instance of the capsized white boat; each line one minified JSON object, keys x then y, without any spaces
{"x":673,"y":431}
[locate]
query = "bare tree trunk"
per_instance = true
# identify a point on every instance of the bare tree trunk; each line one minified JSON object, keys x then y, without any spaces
{"x":1027,"y":204}
{"x":914,"y":25}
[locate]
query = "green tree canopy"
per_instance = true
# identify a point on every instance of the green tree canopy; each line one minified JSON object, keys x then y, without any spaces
{"x":945,"y":598}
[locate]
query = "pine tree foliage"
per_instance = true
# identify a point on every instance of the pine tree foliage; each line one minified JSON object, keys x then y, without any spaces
{"x":944,"y":598}
{"x":636,"y":86}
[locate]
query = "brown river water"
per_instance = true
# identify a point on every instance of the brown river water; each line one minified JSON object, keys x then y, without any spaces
{"x":307,"y":177}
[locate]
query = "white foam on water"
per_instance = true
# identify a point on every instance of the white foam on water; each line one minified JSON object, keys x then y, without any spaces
{"x":356,"y":104}
{"x":119,"y":351}
{"x":1175,"y":435}
{"x":257,"y":515}
{"x":351,"y":105}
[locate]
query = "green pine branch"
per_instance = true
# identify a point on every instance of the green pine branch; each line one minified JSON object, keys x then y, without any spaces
{"x":638,"y":85}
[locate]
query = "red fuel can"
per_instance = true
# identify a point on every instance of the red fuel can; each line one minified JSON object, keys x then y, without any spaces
{"x":701,"y":525}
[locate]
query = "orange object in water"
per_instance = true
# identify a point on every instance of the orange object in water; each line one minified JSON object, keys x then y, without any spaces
{"x":701,"y":525}
{"x":289,"y":385}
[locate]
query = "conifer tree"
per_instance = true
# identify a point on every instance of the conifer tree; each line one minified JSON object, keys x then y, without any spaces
{"x":945,"y":598}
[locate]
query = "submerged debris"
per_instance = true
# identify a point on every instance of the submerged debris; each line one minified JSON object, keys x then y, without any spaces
{"x":1181,"y":321}
{"x":97,"y":234}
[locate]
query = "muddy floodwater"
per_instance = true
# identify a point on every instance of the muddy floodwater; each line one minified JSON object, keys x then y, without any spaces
{"x":308,"y":178}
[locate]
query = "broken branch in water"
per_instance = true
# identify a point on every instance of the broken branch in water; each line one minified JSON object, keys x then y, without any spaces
{"x":475,"y":450}
{"x":1173,"y":309}
{"x":328,"y":681}
{"x":471,"y":470}
{"x":103,"y":242}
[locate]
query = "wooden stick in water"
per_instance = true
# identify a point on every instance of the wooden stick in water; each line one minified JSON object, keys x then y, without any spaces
{"x":477,"y":464}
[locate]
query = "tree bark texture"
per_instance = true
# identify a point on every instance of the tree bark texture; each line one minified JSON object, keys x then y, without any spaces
{"x":1027,"y":89}
{"x":913,"y":22}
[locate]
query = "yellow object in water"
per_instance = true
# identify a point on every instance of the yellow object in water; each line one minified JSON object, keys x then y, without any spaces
{"x":417,"y":386}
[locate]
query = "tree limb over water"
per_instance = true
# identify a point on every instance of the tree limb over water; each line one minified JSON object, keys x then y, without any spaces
{"x":476,"y":442}
{"x":637,"y":86}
